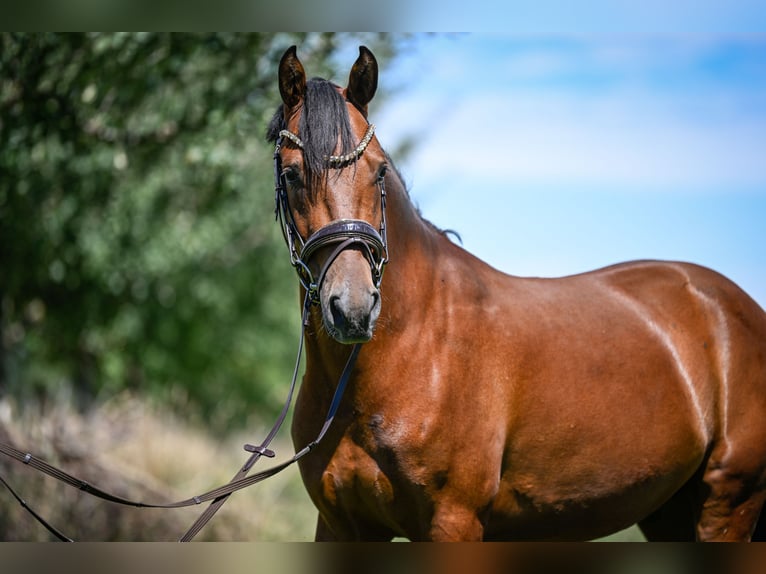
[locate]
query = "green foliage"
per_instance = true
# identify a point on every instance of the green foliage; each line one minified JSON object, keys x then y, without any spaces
{"x":137,"y":242}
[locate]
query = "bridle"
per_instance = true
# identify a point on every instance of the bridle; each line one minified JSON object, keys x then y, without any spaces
{"x":342,"y":233}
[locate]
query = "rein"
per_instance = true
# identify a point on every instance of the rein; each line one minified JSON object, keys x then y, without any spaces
{"x":343,"y":234}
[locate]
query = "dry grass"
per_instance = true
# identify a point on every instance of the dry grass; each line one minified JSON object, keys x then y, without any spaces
{"x":143,"y":453}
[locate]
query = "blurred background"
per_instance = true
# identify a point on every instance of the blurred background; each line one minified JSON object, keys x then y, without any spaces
{"x":148,"y":312}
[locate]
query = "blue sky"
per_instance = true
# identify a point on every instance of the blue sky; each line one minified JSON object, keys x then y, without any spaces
{"x":556,"y":154}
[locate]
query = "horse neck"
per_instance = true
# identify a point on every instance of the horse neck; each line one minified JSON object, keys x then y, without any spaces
{"x":414,"y":246}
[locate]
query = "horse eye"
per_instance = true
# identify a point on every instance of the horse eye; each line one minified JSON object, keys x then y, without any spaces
{"x":292,"y":176}
{"x":382,"y":171}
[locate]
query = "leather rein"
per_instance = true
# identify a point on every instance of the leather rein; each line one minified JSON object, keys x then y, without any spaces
{"x":342,"y":234}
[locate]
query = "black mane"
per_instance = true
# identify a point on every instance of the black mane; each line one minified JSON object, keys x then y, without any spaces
{"x":324,"y":122}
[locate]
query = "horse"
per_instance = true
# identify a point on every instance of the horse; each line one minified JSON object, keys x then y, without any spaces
{"x":486,"y":406}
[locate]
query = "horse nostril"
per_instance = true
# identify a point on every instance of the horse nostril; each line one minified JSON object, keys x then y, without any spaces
{"x":338,"y":317}
{"x":375,"y":300}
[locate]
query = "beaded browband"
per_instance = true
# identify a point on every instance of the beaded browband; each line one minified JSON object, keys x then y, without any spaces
{"x":337,"y":160}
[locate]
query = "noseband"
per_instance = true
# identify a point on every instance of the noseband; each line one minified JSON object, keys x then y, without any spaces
{"x":341,"y":233}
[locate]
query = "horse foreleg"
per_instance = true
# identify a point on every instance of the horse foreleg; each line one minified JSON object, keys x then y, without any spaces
{"x":453,"y":522}
{"x":323,"y":532}
{"x":352,"y":531}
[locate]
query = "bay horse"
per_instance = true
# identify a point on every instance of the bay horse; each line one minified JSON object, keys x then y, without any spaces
{"x":484,"y":406}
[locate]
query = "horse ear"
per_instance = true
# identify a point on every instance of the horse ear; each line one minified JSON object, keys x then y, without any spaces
{"x":363,"y":80}
{"x":292,"y":79}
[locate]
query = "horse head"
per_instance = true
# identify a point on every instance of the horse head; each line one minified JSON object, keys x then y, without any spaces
{"x":329,"y":171}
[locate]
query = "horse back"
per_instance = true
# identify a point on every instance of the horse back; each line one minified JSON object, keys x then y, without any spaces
{"x":659,"y":317}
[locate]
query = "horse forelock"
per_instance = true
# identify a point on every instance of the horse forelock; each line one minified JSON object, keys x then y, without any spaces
{"x":324,"y":127}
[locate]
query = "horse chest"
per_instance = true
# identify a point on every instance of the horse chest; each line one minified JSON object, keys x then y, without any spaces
{"x":369,"y":473}
{"x":351,"y":489}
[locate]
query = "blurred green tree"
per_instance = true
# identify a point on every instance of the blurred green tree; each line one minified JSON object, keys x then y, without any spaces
{"x":137,"y":243}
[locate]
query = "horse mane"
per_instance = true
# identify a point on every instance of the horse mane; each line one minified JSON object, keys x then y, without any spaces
{"x":324,"y":122}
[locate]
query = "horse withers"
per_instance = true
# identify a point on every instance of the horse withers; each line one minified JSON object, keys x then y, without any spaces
{"x":484,"y":406}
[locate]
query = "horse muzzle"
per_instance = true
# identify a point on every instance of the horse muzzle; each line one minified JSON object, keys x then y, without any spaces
{"x":350,"y":308}
{"x":347,"y":289}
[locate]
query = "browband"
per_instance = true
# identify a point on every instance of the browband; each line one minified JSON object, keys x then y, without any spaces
{"x":337,"y":160}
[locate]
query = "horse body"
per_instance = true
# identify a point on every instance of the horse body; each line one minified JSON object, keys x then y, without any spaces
{"x":488,"y":406}
{"x":534,"y":408}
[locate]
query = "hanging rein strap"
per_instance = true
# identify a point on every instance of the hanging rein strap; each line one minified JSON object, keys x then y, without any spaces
{"x":40,"y":519}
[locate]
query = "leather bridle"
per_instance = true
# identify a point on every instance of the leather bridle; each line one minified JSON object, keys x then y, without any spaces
{"x":343,"y":233}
